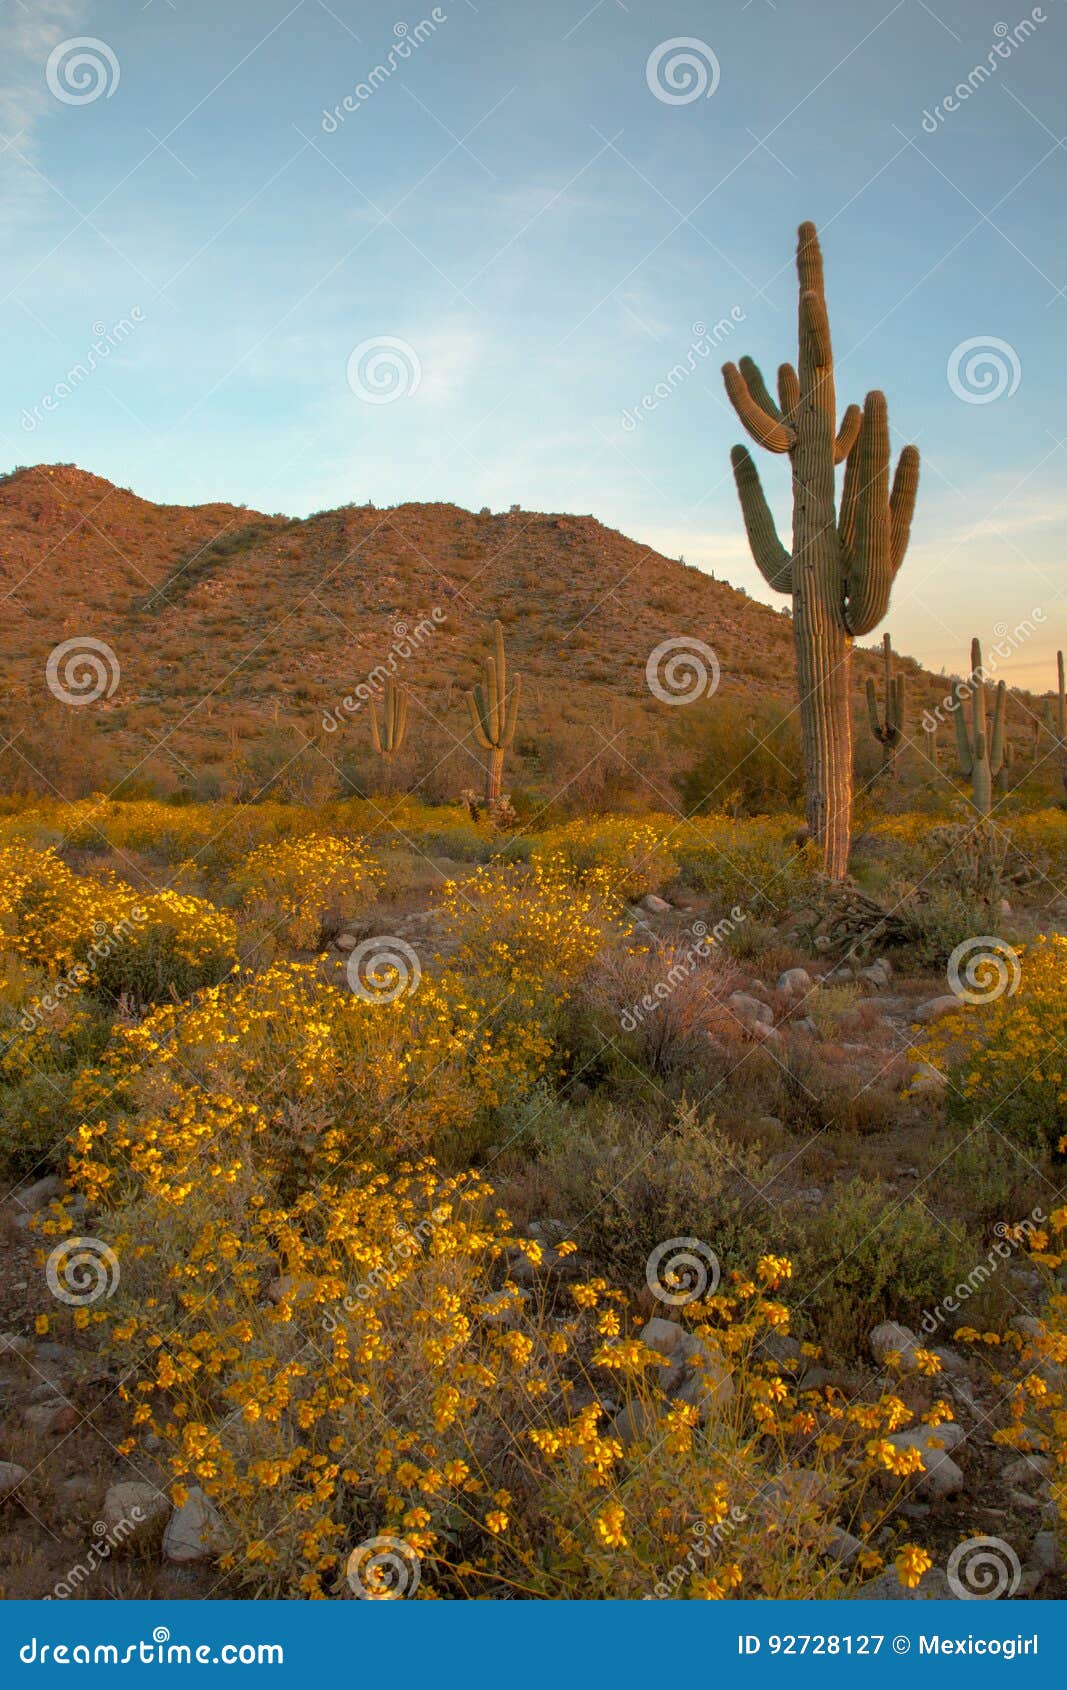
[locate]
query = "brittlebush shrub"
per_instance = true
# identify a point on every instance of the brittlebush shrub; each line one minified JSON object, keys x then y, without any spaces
{"x":102,"y":936}
{"x":1004,"y":1058}
{"x":305,"y":887}
{"x":1029,"y":1360}
{"x":47,"y":1036}
{"x":627,"y":857}
{"x":360,"y":1364}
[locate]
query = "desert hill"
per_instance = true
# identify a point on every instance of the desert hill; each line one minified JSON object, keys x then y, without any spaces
{"x":234,"y":631}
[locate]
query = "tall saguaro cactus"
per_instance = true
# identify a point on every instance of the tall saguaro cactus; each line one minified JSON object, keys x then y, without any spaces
{"x":888,"y":729}
{"x":388,"y":736}
{"x":981,"y":752}
{"x":494,"y":710}
{"x":842,"y":565}
{"x":1056,"y":717}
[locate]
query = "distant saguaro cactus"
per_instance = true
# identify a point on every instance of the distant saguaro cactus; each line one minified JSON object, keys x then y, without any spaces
{"x":929,"y":728}
{"x":841,"y":568}
{"x":388,"y":736}
{"x":888,"y":729}
{"x":494,"y":710}
{"x":981,"y":753}
{"x":1056,"y":717}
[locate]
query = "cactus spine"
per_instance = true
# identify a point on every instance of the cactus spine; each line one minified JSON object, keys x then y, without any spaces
{"x":888,"y":729}
{"x":494,"y":711}
{"x":981,"y":754}
{"x":1056,"y":717}
{"x":842,"y":565}
{"x":388,"y":736}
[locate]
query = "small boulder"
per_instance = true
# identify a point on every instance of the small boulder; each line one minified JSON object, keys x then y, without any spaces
{"x":750,"y":1011}
{"x":890,"y":1338}
{"x":876,"y":974}
{"x":38,"y":1195}
{"x":941,"y":1476}
{"x":934,"y":1008}
{"x":196,"y":1531}
{"x":795,"y":981}
{"x":655,"y":905}
{"x":135,"y":1513}
{"x":696,"y":1372}
{"x":11,"y":1477}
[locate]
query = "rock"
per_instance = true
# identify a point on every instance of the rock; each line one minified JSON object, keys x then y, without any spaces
{"x":1020,"y":1499}
{"x":794,"y":981}
{"x":56,"y":1356}
{"x":951,"y":1360}
{"x":697,"y":1372}
{"x":135,"y":1513}
{"x":844,"y":1547}
{"x":196,"y":1531}
{"x":11,"y":1476}
{"x":655,"y":905}
{"x":750,"y":1011}
{"x":1028,"y":1325}
{"x":806,"y":1025}
{"x":1027,"y":1471}
{"x":39,"y":1195}
{"x":932,"y":1587}
{"x":1045,"y":1552}
{"x":796,"y":1492}
{"x":784,"y":1351}
{"x":838,"y":976}
{"x":14,"y":1344}
{"x":876,"y":974}
{"x":942,"y":1477}
{"x":815,"y":1379}
{"x":890,"y":1338}
{"x":345,"y":942}
{"x":934,"y":1008}
{"x":1005,"y":907}
{"x":45,"y":1417}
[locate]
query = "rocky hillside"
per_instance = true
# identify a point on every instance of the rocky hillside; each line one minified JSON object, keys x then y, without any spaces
{"x":232,"y":629}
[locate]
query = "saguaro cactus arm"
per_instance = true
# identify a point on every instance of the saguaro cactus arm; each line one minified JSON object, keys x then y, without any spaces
{"x":767,"y":430}
{"x":774,"y":563}
{"x":387,"y":738}
{"x":493,"y":708}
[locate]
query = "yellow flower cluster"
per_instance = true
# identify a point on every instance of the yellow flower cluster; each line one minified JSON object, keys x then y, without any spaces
{"x":299,"y":884}
{"x":623,"y":855}
{"x":106,"y":935}
{"x":1004,"y":1057}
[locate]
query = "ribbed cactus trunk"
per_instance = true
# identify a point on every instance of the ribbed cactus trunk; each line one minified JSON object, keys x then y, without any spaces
{"x":981,"y":752}
{"x":1056,"y":717}
{"x":493,"y":707}
{"x":823,"y":647}
{"x":841,"y":568}
{"x":494,"y":774}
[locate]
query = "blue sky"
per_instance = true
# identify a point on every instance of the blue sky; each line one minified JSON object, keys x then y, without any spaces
{"x":514,"y":203}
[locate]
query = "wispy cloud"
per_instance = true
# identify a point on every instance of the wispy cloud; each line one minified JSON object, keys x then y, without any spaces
{"x":28,"y":34}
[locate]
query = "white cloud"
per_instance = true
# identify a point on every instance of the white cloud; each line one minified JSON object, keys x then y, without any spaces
{"x":27,"y":35}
